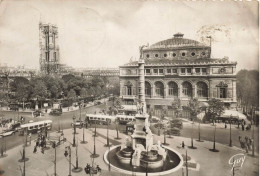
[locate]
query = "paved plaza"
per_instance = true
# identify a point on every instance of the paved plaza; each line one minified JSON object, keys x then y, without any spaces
{"x":207,"y":162}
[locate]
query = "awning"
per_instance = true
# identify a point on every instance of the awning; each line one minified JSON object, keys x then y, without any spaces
{"x":129,"y":108}
{"x":233,"y":114}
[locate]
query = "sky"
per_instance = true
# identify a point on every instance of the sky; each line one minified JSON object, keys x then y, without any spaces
{"x":97,"y":33}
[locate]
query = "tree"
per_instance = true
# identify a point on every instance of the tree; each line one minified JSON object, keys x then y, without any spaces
{"x":71,"y":94}
{"x":176,"y":105}
{"x":83,"y":93}
{"x":194,"y":108}
{"x":248,"y":88}
{"x":216,"y":108}
{"x":39,"y":90}
{"x":22,"y":93}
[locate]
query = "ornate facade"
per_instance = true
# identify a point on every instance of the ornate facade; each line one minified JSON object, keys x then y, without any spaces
{"x":179,"y":68}
{"x":49,"y":49}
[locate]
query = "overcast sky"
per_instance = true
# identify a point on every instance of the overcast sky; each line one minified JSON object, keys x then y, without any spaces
{"x":109,"y":33}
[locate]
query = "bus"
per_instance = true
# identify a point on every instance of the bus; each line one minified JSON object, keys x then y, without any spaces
{"x":100,"y":119}
{"x":124,"y":119}
{"x":34,"y":127}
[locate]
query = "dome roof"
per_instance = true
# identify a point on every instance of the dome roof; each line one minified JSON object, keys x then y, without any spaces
{"x":176,"y":42}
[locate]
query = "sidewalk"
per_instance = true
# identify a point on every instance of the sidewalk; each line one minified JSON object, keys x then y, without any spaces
{"x":210,"y":163}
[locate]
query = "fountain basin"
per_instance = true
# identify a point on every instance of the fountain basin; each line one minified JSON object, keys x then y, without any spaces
{"x":154,"y":166}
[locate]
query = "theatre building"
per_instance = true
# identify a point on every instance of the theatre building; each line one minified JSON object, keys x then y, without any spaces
{"x":179,"y":68}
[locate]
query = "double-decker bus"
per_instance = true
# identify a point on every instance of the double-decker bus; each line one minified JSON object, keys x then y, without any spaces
{"x":34,"y":127}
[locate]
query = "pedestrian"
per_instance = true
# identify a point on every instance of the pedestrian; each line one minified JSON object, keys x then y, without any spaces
{"x":238,"y":123}
{"x":182,"y":144}
{"x":35,"y":149}
{"x":225,"y":125}
{"x":98,"y":168}
{"x":243,"y":127}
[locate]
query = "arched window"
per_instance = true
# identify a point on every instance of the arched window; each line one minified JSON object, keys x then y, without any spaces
{"x":173,"y":89}
{"x":147,"y":89}
{"x":159,"y":89}
{"x":202,"y":89}
{"x":129,"y":88}
{"x":187,"y":89}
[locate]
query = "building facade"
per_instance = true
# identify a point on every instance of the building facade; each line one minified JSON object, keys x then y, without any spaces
{"x":179,"y":68}
{"x":49,"y":49}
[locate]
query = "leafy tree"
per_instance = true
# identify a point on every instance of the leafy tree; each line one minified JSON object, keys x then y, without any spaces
{"x":39,"y":90}
{"x":176,"y":105}
{"x":83,"y":93}
{"x":71,"y":95}
{"x":248,"y":88}
{"x":216,"y":108}
{"x":22,"y":93}
{"x":194,"y":107}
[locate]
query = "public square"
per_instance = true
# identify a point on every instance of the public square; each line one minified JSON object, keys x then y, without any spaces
{"x":207,"y":162}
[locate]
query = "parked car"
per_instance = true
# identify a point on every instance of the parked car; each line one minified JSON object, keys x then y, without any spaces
{"x":177,"y":123}
{"x":56,"y":112}
{"x":37,"y":113}
{"x":7,"y":133}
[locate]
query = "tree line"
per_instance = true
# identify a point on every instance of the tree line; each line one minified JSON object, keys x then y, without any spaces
{"x":68,"y":87}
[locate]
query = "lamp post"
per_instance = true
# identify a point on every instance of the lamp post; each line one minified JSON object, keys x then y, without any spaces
{"x":94,"y":155}
{"x":74,"y":126}
{"x":68,"y":152}
{"x":117,"y":131}
{"x":54,"y":145}
{"x":253,"y":135}
{"x":77,"y":169}
{"x":83,"y":134}
{"x":230,"y":139}
{"x":214,"y":142}
{"x":107,"y":144}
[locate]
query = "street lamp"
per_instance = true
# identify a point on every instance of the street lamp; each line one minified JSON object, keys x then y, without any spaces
{"x":74,"y":126}
{"x":54,"y":145}
{"x":192,"y":146}
{"x":117,"y":131}
{"x":68,"y":152}
{"x":214,"y":142}
{"x":77,"y":169}
{"x":94,"y":155}
{"x":83,"y":135}
{"x":230,"y":139}
{"x":107,"y":145}
{"x":253,"y":135}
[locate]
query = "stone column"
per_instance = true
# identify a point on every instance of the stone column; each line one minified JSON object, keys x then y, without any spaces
{"x":234,"y":90}
{"x":193,"y":91}
{"x":180,"y":91}
{"x":165,"y":91}
{"x":210,"y":89}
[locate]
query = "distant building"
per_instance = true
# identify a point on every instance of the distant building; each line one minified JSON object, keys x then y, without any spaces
{"x":179,"y":68}
{"x":49,"y":49}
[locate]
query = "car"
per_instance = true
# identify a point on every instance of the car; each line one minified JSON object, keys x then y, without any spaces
{"x":77,"y":123}
{"x":97,"y":103}
{"x":7,"y":133}
{"x":37,"y":113}
{"x":56,"y":112}
{"x":30,"y":121}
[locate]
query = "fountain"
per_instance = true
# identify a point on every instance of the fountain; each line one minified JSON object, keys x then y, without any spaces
{"x":139,"y":154}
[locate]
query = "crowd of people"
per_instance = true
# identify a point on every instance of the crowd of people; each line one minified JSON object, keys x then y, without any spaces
{"x":40,"y":142}
{"x":246,"y":143}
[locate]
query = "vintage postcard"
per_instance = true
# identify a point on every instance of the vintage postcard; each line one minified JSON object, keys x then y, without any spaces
{"x":123,"y":88}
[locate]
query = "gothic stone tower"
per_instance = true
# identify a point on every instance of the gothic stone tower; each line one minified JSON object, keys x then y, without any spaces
{"x":49,"y":49}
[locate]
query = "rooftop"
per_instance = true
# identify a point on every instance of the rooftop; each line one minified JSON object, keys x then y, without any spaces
{"x":189,"y":61}
{"x":176,"y":42}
